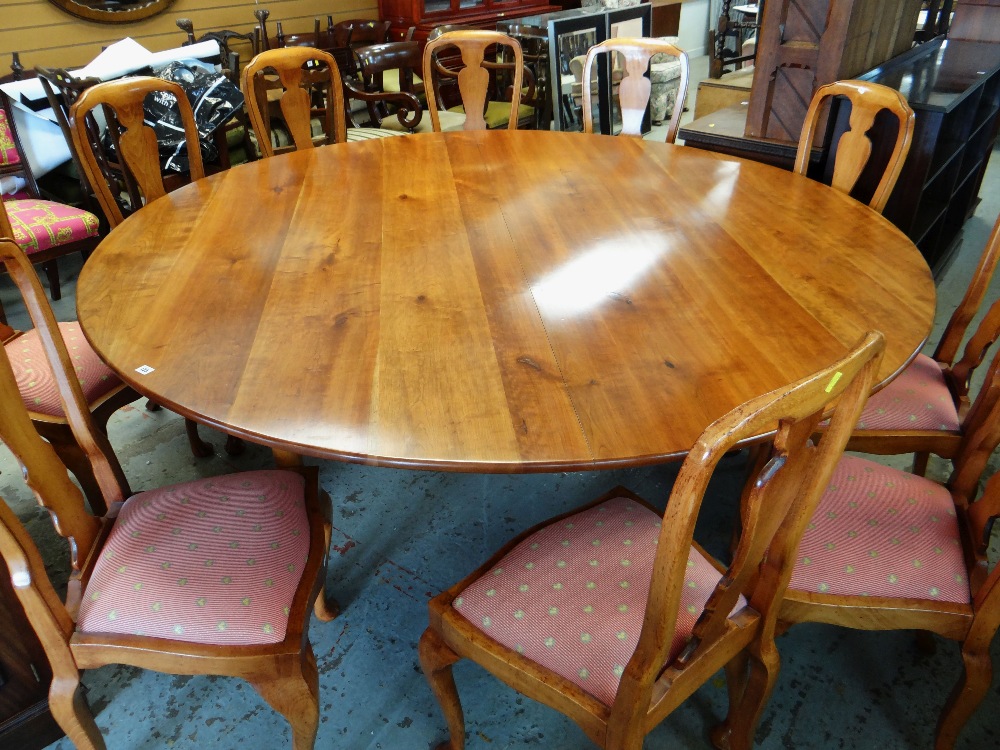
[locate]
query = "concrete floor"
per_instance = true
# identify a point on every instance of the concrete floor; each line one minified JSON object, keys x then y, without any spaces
{"x":401,"y":536}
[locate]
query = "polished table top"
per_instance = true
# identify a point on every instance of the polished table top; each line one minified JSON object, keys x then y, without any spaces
{"x":499,"y":301}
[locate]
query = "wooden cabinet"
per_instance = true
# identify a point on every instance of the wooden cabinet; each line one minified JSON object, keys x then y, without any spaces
{"x":25,"y":721}
{"x":954,"y":88}
{"x":426,"y":14}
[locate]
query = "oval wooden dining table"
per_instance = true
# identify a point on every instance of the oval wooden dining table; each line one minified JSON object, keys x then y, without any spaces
{"x":494,"y":301}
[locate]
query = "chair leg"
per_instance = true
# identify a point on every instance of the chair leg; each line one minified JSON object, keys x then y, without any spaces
{"x":72,"y":713}
{"x":326,"y":609}
{"x":235,"y":446}
{"x":920,"y":461}
{"x":76,"y":461}
{"x":436,"y":660}
{"x":765,"y":664}
{"x":967,"y":694}
{"x":199,"y":447}
{"x":51,"y":268}
{"x":736,"y":682}
{"x":296,"y":697}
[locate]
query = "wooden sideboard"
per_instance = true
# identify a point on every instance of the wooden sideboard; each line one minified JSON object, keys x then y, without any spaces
{"x":25,"y":721}
{"x":953,"y":85}
{"x":426,"y":14}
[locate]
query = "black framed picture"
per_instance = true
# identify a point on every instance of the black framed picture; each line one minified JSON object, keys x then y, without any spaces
{"x":569,"y":40}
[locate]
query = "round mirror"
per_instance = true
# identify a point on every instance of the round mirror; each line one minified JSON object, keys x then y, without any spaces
{"x":113,"y":11}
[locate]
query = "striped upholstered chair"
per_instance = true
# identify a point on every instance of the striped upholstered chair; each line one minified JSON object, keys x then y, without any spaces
{"x":44,"y":229}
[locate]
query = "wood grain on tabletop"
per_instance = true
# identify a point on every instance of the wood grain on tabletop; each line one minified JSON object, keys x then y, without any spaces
{"x":499,"y":301}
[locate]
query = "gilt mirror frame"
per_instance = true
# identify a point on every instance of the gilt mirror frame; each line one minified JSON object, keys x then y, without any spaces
{"x":127,"y":12}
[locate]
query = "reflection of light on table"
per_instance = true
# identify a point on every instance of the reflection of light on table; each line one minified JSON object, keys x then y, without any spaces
{"x":587,"y":281}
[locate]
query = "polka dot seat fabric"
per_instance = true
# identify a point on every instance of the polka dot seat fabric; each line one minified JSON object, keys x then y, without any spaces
{"x":214,"y":561}
{"x":881,"y":532}
{"x":34,"y":375}
{"x":918,"y":399}
{"x":572,"y":596}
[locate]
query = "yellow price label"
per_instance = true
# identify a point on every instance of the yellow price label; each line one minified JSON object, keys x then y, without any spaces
{"x":833,"y":381}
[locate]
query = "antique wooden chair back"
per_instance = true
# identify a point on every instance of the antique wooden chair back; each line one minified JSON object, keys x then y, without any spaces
{"x":475,"y":77}
{"x":926,"y":409}
{"x":634,"y":88}
{"x":130,"y":176}
{"x":888,"y":550}
{"x":678,"y":644}
{"x":62,"y":89}
{"x":231,"y":45}
{"x":103,"y":392}
{"x":855,"y":147}
{"x":46,"y":230}
{"x":281,"y":667}
{"x":374,"y":62}
{"x":306,"y":82}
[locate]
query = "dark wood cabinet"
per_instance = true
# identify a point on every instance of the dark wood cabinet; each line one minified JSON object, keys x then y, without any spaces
{"x":426,"y":14}
{"x":954,"y":88}
{"x":25,"y":721}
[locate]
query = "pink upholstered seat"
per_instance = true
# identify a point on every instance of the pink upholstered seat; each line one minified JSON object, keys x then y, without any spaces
{"x":34,"y":375}
{"x":40,"y":225}
{"x":210,"y":561}
{"x":882,"y":532}
{"x":918,"y":399}
{"x":572,"y":596}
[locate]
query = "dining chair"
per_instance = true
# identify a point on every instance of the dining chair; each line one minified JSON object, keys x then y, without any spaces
{"x":295,"y":99}
{"x":129,"y":177}
{"x":477,"y":79}
{"x":634,"y":87}
{"x":213,"y":576}
{"x":395,"y":110}
{"x":103,"y":391}
{"x":888,"y":550}
{"x":46,"y":230}
{"x":854,"y":148}
{"x":612,"y":614}
{"x":927,"y":409}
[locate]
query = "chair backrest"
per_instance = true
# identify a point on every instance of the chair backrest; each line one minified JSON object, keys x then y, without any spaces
{"x":45,"y":474}
{"x":785,"y":484}
{"x":474,"y":78}
{"x":958,"y":324}
{"x":855,"y":147}
{"x":634,"y":88}
{"x":13,"y":162}
{"x":373,"y":62}
{"x":130,"y":175}
{"x":306,"y":82}
{"x":231,"y":44}
{"x":62,"y":89}
{"x":364,"y":31}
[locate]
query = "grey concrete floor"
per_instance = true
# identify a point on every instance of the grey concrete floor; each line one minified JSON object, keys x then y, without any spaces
{"x":401,"y":536}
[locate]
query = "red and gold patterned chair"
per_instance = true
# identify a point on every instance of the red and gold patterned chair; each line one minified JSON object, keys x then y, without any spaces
{"x":213,"y":576}
{"x":887,"y":550}
{"x":45,"y":230}
{"x":927,"y":409}
{"x":612,"y":614}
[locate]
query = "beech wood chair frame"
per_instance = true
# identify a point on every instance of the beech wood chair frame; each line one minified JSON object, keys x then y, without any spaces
{"x":957,"y":372}
{"x":855,"y":147}
{"x":784,"y":488}
{"x":635,"y":88}
{"x":283,"y":673}
{"x":310,"y":85}
{"x":974,"y":625}
{"x":474,"y":79}
{"x":135,"y":172}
